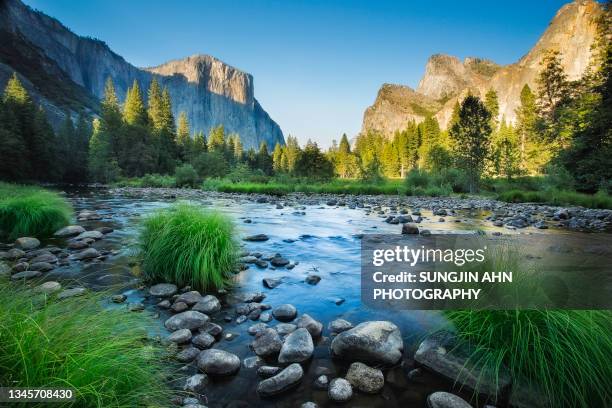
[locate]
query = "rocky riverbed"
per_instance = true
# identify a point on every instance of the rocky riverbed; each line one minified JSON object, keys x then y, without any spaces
{"x":293,"y":331}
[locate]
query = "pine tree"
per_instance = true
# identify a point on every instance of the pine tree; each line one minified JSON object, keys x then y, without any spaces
{"x":102,"y":167}
{"x":112,"y":117}
{"x":277,"y":158}
{"x":137,"y":155}
{"x":216,"y":139}
{"x":526,"y":118}
{"x":238,"y":153}
{"x":134,"y":112}
{"x":65,"y":140}
{"x":20,"y":114}
{"x":264,"y":161}
{"x":430,"y":137}
{"x":491,"y":102}
{"x":472,"y":135}
{"x":183,"y":138}
{"x":292,"y":153}
{"x":344,"y":147}
{"x":313,"y":164}
{"x":12,"y":146}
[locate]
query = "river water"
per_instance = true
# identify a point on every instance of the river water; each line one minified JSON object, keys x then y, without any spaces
{"x":323,"y":240}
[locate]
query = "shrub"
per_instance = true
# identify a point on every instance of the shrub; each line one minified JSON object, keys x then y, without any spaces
{"x":157,"y":181}
{"x":186,"y":176}
{"x":565,"y":354}
{"x":417,"y":178}
{"x":211,"y":164}
{"x":188,"y":246}
{"x":30,"y":211}
{"x":557,"y":197}
{"x":80,"y":344}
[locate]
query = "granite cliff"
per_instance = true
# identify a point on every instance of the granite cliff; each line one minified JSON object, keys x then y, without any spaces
{"x":447,"y":79}
{"x":65,"y":73}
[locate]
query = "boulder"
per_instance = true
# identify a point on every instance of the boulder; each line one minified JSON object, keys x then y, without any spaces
{"x":268,"y":371}
{"x":44,"y":257}
{"x":365,"y":379}
{"x":208,"y":304}
{"x":88,"y":253}
{"x":68,"y":293}
{"x":211,"y":328}
{"x":190,"y":298}
{"x":69,"y":231}
{"x":256,"y":328}
{"x":285,"y":328}
{"x":410,"y":229}
{"x":271,"y":283}
{"x":218,"y":362}
{"x":27,"y":243}
{"x":180,"y":336}
{"x":282,"y":381}
{"x":96,"y":235}
{"x":26,"y":275}
{"x":340,"y":390}
{"x":374,"y":342}
{"x":267,"y":343}
{"x":297,"y":347}
{"x":163,"y":290}
{"x":442,"y":354}
{"x":48,"y":287}
{"x":186,"y":320}
{"x":314,"y":327}
{"x":285,"y":313}
{"x":203,"y":340}
{"x":339,"y":326}
{"x":188,"y":354}
{"x":442,"y":399}
{"x":41,"y":266}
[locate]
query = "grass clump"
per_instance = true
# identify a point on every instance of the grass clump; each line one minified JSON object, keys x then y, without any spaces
{"x":31,"y":211}
{"x":558,"y":197}
{"x":189,"y":246}
{"x":565,"y":354}
{"x":78,"y":343}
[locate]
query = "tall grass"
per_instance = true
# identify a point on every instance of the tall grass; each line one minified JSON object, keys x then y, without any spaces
{"x":188,"y":246}
{"x":386,"y":187}
{"x":77,"y":343}
{"x":563,"y":353}
{"x":31,"y":211}
{"x":557,"y":197}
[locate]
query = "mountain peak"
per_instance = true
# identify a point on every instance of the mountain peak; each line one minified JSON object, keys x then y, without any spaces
{"x":447,"y":79}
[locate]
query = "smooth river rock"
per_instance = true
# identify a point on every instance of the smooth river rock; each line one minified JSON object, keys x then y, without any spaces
{"x":163,"y":290}
{"x":374,"y":342}
{"x":27,"y":243}
{"x":208,"y":304}
{"x":267,"y":343}
{"x":297,"y":347}
{"x":442,"y":399}
{"x":282,"y":381}
{"x":285,"y":313}
{"x":69,"y":231}
{"x":314,"y":327}
{"x":187,"y":320}
{"x":218,"y":362}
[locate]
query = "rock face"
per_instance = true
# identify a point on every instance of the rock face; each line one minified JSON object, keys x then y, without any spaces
{"x":62,"y":69}
{"x":448,"y":80}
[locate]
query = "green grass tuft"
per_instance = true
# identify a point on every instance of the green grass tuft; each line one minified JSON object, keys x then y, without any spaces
{"x":189,"y":246}
{"x":564,"y":353}
{"x":30,"y":211}
{"x":558,"y":197}
{"x":78,"y":343}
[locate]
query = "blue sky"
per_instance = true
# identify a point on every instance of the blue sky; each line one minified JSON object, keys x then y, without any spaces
{"x":317,"y":64}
